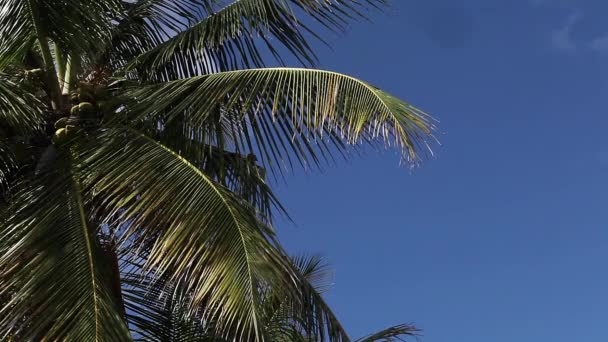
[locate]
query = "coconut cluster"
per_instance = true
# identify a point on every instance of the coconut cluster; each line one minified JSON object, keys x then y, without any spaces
{"x":82,"y":111}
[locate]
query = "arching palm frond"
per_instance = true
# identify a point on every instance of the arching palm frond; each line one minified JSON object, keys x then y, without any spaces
{"x":239,"y":173}
{"x":52,"y":266}
{"x":279,"y":113}
{"x":227,"y":39}
{"x":155,"y":310}
{"x":203,"y":236}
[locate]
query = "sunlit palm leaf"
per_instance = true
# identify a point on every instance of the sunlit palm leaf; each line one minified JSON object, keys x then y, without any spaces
{"x":239,"y":173}
{"x":52,"y":265}
{"x":279,"y":113}
{"x":204,"y":237}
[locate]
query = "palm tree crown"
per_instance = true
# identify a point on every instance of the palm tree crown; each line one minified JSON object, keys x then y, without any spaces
{"x":136,"y":142}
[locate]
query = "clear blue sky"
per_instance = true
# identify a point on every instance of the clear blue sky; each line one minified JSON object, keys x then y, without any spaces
{"x":503,"y":236}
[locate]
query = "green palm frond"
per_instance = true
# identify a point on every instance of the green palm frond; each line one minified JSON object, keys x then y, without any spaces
{"x":395,"y":333}
{"x":78,"y":26}
{"x":228,"y":39}
{"x":309,"y":318}
{"x":145,"y":24}
{"x":135,"y":198}
{"x":155,"y":310}
{"x":279,"y":113}
{"x":20,"y":110}
{"x":166,"y":18}
{"x":7,"y":163}
{"x":195,"y":230}
{"x":239,"y":173}
{"x":16,"y":36}
{"x":52,"y":266}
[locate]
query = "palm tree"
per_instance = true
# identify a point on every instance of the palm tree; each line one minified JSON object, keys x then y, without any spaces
{"x":137,"y":138}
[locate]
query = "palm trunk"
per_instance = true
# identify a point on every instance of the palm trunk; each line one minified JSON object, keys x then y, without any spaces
{"x":61,"y":65}
{"x":52,"y":82}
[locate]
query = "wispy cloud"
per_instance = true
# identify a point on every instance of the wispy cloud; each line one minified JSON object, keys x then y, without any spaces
{"x":599,"y":44}
{"x":561,"y":38}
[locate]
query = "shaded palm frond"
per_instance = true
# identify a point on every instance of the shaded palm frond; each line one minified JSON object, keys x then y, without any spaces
{"x":20,"y":110}
{"x":81,"y":27}
{"x":284,"y":113}
{"x":165,"y":18}
{"x":16,"y":33}
{"x":52,"y":266}
{"x":7,"y":164}
{"x":228,"y":39}
{"x":309,"y":318}
{"x":395,"y":333}
{"x":196,"y":232}
{"x":156,"y":310}
{"x":145,"y":24}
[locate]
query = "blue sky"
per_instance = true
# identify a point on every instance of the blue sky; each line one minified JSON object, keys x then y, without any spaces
{"x":502,"y":236}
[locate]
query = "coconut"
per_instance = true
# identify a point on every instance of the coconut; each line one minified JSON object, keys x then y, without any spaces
{"x":75,"y":110}
{"x":86,"y":109}
{"x":61,"y":123}
{"x":60,"y":137}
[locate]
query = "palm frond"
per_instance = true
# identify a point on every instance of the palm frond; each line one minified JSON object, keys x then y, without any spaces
{"x":145,"y":24}
{"x":284,"y":113}
{"x":309,"y":318}
{"x":78,"y":26}
{"x":228,"y":39}
{"x":195,"y":231}
{"x":241,"y":174}
{"x":7,"y":164}
{"x":20,"y":110}
{"x":52,"y":266}
{"x":155,"y":309}
{"x":395,"y":333}
{"x":16,"y":33}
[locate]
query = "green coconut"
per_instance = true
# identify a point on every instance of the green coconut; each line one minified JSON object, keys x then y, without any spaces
{"x":86,"y":109}
{"x":61,"y":123}
{"x":75,"y":110}
{"x":60,"y":137}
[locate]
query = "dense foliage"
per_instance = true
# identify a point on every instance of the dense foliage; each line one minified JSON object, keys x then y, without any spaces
{"x":137,"y":138}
